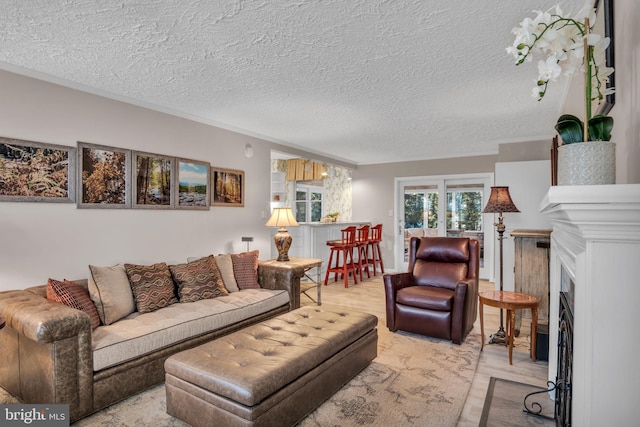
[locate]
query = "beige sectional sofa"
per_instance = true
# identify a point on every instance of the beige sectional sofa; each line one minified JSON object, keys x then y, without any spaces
{"x":51,"y":354}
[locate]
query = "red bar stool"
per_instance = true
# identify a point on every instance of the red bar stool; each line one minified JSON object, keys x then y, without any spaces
{"x":343,"y":248}
{"x":374,"y":244}
{"x":362,"y":247}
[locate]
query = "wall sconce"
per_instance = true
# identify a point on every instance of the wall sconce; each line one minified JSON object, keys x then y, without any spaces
{"x":248,"y":151}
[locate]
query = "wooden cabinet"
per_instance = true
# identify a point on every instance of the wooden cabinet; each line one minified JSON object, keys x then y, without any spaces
{"x":532,"y":271}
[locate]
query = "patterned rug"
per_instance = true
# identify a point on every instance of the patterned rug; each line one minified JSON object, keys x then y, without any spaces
{"x":415,"y":380}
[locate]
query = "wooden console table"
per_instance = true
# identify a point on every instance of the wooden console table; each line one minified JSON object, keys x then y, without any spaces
{"x":511,"y":301}
{"x":306,"y":264}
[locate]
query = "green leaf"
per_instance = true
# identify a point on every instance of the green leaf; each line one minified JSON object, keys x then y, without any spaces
{"x":570,"y":129}
{"x":600,"y":128}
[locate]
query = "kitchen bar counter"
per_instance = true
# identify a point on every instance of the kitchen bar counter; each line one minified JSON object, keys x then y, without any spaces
{"x":310,"y":239}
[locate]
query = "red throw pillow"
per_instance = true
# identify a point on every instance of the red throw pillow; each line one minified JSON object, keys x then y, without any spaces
{"x":245,"y":269}
{"x":74,"y":296}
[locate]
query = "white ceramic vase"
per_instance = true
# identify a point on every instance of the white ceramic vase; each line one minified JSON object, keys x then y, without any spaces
{"x":587,"y":163}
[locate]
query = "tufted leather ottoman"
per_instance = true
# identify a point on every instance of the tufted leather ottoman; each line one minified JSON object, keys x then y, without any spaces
{"x":273,"y":373}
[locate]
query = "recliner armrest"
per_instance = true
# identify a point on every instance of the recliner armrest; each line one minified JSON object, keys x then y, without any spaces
{"x":396,"y":281}
{"x":392,"y":283}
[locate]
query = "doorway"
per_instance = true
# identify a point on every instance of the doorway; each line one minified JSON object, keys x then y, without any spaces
{"x":448,"y":205}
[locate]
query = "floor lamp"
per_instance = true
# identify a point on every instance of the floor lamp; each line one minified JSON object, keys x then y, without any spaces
{"x":499,"y":202}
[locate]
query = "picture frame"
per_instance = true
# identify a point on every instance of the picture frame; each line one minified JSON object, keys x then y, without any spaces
{"x":104,"y":180}
{"x":36,"y":171}
{"x":192,"y":184}
{"x":227,"y":187}
{"x":605,"y":27}
{"x":153,"y":181}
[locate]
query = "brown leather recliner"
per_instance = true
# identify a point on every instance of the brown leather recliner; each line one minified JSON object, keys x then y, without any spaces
{"x":438,"y":296}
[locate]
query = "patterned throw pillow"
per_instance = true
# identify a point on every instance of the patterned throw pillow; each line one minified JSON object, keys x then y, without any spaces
{"x":152,"y":286}
{"x":74,"y":296}
{"x":199,"y":279}
{"x":245,"y":269}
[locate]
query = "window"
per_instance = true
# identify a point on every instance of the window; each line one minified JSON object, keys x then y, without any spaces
{"x":308,"y":203}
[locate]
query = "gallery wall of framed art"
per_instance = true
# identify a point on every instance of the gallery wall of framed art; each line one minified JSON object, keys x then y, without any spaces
{"x":98,"y":176}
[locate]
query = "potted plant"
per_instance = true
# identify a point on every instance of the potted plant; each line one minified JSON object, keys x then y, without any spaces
{"x":333,"y":216}
{"x":567,"y":44}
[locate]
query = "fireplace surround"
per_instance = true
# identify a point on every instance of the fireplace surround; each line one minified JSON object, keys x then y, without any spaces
{"x":596,"y":243}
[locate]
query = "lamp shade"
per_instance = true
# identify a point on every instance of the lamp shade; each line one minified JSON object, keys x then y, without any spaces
{"x":282,"y":218}
{"x":500,"y":201}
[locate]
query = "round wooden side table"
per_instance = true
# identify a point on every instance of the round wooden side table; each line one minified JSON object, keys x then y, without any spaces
{"x":511,"y":301}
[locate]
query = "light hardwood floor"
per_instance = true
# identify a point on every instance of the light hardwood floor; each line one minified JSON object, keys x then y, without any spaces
{"x":494,"y":359}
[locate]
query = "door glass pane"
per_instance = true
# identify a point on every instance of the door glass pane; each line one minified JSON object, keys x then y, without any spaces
{"x":301,"y":211}
{"x":420,"y":213}
{"x":464,"y":215}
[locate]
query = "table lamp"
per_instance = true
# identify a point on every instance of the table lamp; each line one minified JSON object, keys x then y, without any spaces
{"x":499,"y":202}
{"x":283,"y":218}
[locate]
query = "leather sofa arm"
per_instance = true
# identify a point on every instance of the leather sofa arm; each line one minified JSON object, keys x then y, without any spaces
{"x":272,"y":275}
{"x":46,"y":352}
{"x":39,"y":319}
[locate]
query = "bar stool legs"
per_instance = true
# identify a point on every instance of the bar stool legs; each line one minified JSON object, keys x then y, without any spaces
{"x":362,"y":247}
{"x":375,"y":258}
{"x":343,"y":248}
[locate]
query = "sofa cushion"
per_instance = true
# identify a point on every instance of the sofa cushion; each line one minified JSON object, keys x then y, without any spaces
{"x":140,"y":334}
{"x":74,"y":296}
{"x":111,"y":293}
{"x":152,"y":286}
{"x":225,"y":265}
{"x":199,"y":279}
{"x":245,"y":269}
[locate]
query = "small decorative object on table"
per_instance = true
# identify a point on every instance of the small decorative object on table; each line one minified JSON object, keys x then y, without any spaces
{"x":333,"y":216}
{"x":586,"y":156}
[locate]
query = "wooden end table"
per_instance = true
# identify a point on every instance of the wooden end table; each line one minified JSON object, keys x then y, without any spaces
{"x":511,"y":301}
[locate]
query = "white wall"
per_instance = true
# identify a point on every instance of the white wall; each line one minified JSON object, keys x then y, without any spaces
{"x":528,"y":183}
{"x":42,"y":240}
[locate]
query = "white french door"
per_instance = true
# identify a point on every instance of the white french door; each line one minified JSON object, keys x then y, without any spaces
{"x":444,"y":206}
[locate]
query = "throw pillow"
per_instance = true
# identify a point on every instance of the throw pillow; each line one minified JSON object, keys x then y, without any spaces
{"x":225,"y":265}
{"x":74,"y":296}
{"x":245,"y":269}
{"x":110,"y":291}
{"x":152,"y":286}
{"x":199,"y":279}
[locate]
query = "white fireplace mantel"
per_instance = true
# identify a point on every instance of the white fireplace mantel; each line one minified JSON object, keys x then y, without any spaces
{"x":596,"y":238}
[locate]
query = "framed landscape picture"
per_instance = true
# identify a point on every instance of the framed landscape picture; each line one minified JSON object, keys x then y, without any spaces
{"x":227,"y":187}
{"x":192,"y":184}
{"x":36,"y":172}
{"x":103,"y":176}
{"x":153,"y":181}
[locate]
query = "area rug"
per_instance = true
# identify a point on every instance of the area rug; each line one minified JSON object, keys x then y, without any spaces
{"x":415,"y":380}
{"x":504,"y":404}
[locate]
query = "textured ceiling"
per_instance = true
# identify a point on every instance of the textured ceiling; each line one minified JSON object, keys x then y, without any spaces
{"x":363,"y":81}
